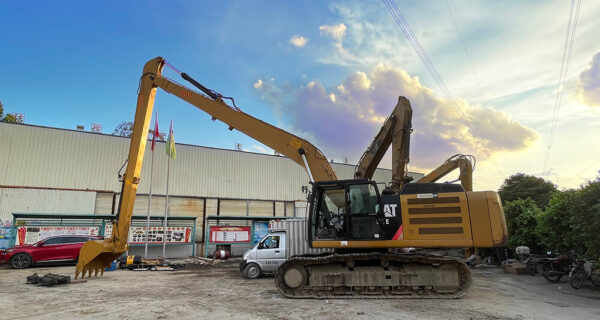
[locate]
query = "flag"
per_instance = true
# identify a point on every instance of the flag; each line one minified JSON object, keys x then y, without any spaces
{"x":156,"y":134}
{"x":170,"y":145}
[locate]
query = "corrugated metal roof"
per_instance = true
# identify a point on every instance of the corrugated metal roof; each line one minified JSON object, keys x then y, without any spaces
{"x":34,"y":156}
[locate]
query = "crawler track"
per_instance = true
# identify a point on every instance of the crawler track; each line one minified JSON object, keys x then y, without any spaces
{"x":373,"y":276}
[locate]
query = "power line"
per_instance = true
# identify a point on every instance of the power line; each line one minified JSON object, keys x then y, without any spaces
{"x":462,"y":42}
{"x":410,"y":36}
{"x":567,"y":49}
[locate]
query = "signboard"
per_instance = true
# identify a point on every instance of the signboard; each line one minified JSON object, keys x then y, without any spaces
{"x":137,"y":235}
{"x":5,"y":237}
{"x":228,"y":234}
{"x":261,"y":229}
{"x":31,"y":235}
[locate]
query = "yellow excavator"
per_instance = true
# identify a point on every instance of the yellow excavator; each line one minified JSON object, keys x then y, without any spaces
{"x":351,"y":216}
{"x":464,"y":162}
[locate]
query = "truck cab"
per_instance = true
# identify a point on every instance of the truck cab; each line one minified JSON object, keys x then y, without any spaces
{"x":265,"y":256}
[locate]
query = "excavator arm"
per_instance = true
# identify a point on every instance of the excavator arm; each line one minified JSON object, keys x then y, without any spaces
{"x":395,"y":132}
{"x":460,"y":161}
{"x":96,"y":255}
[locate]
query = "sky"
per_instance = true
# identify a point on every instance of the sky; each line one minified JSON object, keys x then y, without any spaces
{"x":328,"y":71}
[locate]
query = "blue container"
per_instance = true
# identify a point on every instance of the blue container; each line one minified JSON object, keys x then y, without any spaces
{"x":113,"y":266}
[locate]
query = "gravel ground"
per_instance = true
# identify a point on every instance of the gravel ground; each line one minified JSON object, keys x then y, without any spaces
{"x":219,"y":291}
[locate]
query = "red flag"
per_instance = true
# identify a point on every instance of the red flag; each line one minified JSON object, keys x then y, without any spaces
{"x":156,"y":134}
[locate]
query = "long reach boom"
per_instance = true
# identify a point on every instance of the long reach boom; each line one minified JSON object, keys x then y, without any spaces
{"x":96,"y":255}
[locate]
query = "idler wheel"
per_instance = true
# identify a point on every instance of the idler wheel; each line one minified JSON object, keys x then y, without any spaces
{"x":294,"y":277}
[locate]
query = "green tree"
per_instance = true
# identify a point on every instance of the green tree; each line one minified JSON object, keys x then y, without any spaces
{"x":522,"y":186}
{"x":161,"y":135}
{"x":557,"y":227}
{"x":521,"y":220}
{"x":587,"y":220}
{"x":571,"y":221}
{"x":8,"y":117}
{"x":124,"y":129}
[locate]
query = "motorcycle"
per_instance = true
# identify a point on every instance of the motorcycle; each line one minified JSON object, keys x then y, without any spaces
{"x":553,"y":269}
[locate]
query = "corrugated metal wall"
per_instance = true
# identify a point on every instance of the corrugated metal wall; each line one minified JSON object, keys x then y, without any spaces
{"x":35,"y":156}
{"x":44,"y":201}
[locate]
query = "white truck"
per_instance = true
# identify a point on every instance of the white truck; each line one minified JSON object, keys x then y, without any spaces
{"x":286,"y":238}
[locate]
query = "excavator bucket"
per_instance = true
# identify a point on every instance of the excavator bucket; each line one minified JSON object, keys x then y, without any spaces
{"x":95,"y":256}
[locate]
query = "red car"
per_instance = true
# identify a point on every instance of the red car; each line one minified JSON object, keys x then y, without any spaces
{"x":61,"y":249}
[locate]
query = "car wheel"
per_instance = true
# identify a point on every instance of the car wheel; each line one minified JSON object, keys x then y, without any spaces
{"x":252,"y":271}
{"x":20,"y":261}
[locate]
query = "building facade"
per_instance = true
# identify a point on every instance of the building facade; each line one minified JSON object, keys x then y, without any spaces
{"x":50,"y":170}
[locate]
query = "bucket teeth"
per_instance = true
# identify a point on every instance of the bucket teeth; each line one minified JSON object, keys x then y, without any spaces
{"x":95,"y":256}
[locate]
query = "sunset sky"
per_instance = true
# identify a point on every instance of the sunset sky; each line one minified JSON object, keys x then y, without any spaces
{"x":328,"y":71}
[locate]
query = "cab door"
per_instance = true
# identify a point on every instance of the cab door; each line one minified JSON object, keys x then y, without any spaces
{"x":270,"y":252}
{"x":364,"y":212}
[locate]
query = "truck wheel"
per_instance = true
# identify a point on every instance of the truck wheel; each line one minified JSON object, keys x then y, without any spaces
{"x":20,"y":261}
{"x":252,"y":271}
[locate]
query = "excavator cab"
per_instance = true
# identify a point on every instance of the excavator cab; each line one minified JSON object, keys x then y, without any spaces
{"x":345,"y":210}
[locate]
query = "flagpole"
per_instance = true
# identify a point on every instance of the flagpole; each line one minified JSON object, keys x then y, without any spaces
{"x":166,"y":211}
{"x":154,"y":135}
{"x":149,"y":204}
{"x":170,"y":147}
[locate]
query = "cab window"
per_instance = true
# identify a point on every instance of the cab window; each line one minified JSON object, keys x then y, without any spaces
{"x":329,"y":217}
{"x":271,"y":242}
{"x":363,"y":199}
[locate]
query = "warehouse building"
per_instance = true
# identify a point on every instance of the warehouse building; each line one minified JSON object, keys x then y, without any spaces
{"x":59,"y":171}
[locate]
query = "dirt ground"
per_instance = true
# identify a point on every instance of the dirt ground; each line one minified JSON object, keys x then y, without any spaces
{"x":220,"y":291}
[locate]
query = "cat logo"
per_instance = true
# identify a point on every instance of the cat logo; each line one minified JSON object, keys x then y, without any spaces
{"x":389,"y":210}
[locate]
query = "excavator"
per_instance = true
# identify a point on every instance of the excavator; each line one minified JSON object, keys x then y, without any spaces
{"x":352,"y":217}
{"x":464,"y":162}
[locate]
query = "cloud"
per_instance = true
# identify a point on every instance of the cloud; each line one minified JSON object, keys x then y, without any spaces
{"x":342,"y":121}
{"x":258,"y":84}
{"x":336,"y":32}
{"x":588,"y":86}
{"x":298,"y":41}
